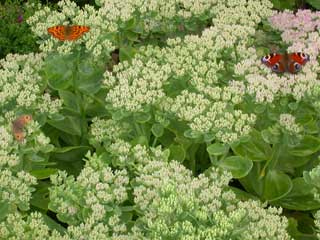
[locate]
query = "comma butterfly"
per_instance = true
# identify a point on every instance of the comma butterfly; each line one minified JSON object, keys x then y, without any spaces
{"x":281,"y":63}
{"x":68,"y":33}
{"x":18,"y":125}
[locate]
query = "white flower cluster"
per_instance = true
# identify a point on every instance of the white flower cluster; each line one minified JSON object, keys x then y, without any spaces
{"x":205,"y":117}
{"x":16,"y":190}
{"x":69,"y":11}
{"x":312,"y":177}
{"x":317,"y":223}
{"x":97,"y":190}
{"x":157,"y":15}
{"x":194,"y":71}
{"x":135,"y":157}
{"x":34,"y":226}
{"x":148,"y":15}
{"x":21,"y":85}
{"x":163,"y":14}
{"x":267,"y":86}
{"x":12,"y":151}
{"x":15,"y":227}
{"x":287,"y":122}
{"x":168,"y":199}
{"x":103,"y":130}
{"x":138,"y":84}
{"x":242,"y":12}
{"x":172,"y":200}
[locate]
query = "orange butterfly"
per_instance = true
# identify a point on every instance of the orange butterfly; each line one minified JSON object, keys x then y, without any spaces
{"x":18,"y":125}
{"x":68,"y":33}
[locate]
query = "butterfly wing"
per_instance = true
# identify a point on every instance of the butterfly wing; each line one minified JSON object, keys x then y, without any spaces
{"x":296,"y":61}
{"x":77,"y":31}
{"x":275,"y":61}
{"x":18,"y":125}
{"x":18,"y":135}
{"x":58,"y":32}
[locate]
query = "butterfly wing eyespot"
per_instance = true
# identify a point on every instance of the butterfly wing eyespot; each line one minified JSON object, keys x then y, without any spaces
{"x":26,"y":118}
{"x":296,"y":61}
{"x":297,"y":66}
{"x":301,"y":58}
{"x":22,"y":120}
{"x":275,"y":67}
{"x":19,"y":136}
{"x":275,"y":62}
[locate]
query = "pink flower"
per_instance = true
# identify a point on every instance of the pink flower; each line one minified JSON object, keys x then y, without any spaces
{"x":297,"y":29}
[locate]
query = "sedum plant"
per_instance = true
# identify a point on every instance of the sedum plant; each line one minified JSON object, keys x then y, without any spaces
{"x":168,"y":203}
{"x":146,"y":148}
{"x":176,"y":205}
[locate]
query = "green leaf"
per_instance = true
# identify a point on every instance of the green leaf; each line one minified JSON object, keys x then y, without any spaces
{"x":242,"y":195}
{"x":47,"y":148}
{"x":260,"y":108}
{"x":314,"y":3}
{"x":129,"y":24}
{"x":142,"y":140}
{"x":68,"y":149}
{"x":208,"y":137}
{"x":69,"y":154}
{"x":253,"y":182}
{"x":4,"y":210}
{"x":126,"y":53}
{"x":40,"y":198}
{"x":70,"y":100}
{"x":287,"y":161}
{"x":131,"y":35}
{"x":177,"y":152}
{"x":59,"y":71}
{"x":89,"y":77}
{"x":167,"y":138}
{"x":157,"y":130}
{"x":53,"y":225}
{"x":283,"y":4}
{"x":69,"y":158}
{"x":308,"y":145}
{"x":43,"y":173}
{"x":69,"y":125}
{"x":98,"y":2}
{"x":192,"y":134}
{"x":300,"y":198}
{"x":217,"y":149}
{"x":255,"y":148}
{"x":238,"y":166}
{"x":276,"y":185}
{"x":142,"y":117}
{"x":269,"y":137}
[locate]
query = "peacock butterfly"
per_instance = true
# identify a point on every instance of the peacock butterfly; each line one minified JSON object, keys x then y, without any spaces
{"x":288,"y":62}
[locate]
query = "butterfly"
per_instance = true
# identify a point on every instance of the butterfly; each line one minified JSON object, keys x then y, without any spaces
{"x":288,"y":62}
{"x":18,"y":125}
{"x":68,"y":33}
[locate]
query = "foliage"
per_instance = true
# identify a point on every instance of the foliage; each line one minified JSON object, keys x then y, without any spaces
{"x":15,"y":34}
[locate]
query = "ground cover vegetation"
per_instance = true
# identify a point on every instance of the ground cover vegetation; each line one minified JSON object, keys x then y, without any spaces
{"x":161,"y":122}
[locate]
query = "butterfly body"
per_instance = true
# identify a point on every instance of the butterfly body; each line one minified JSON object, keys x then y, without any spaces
{"x":281,"y":63}
{"x":18,"y":125}
{"x":68,"y":33}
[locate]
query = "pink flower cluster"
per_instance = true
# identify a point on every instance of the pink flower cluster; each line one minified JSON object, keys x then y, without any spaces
{"x":300,"y":29}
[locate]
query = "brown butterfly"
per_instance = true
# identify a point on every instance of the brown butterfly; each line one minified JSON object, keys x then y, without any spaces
{"x":68,"y":33}
{"x":18,"y":125}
